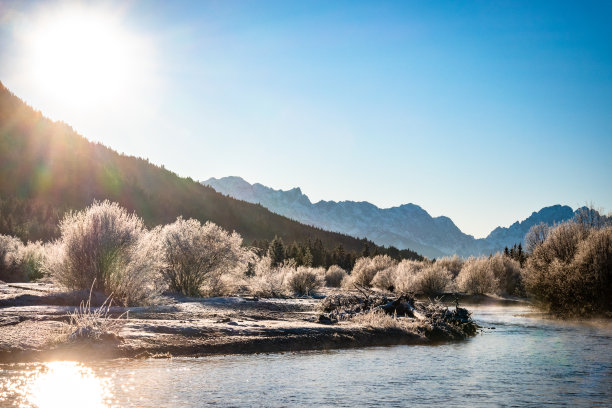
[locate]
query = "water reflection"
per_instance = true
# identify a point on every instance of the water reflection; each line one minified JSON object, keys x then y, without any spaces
{"x":521,"y":359}
{"x":57,"y":384}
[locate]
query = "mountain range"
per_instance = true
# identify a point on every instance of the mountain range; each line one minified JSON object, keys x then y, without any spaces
{"x":405,"y":226}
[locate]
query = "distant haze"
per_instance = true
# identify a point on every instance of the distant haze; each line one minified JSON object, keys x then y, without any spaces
{"x":479,"y":111}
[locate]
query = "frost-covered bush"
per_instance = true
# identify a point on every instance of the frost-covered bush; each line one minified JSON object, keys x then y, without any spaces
{"x":406,"y":274}
{"x":453,"y":264}
{"x":366,"y":268}
{"x":196,"y":256}
{"x":347,"y":283}
{"x":18,"y":262}
{"x":9,"y":258}
{"x":476,"y":277}
{"x":536,"y":236}
{"x":433,"y":280}
{"x":108,"y":248}
{"x":268,"y":281}
{"x":591,"y":280}
{"x":31,"y":260}
{"x":304,"y":281}
{"x":507,"y":272}
{"x":421,"y":277}
{"x":385,"y":279}
{"x":334,"y":276}
{"x":571,"y":271}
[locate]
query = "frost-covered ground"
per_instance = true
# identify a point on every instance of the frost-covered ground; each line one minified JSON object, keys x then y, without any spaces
{"x":34,"y":326}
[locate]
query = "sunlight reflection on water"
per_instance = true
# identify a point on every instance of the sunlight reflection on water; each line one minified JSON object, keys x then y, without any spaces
{"x":58,"y":384}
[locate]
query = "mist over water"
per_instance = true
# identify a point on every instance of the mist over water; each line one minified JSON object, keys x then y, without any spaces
{"x":524,"y":360}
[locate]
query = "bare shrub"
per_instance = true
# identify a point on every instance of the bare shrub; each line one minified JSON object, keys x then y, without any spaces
{"x":570,"y":273}
{"x":385,"y":279}
{"x":106,"y":245}
{"x":268,"y":281}
{"x":9,"y":257}
{"x":31,"y":260}
{"x":561,"y":243}
{"x":366,"y":268}
{"x":405,"y":275}
{"x":536,"y":236}
{"x":304,"y":281}
{"x":477,"y":277}
{"x":196,"y":256}
{"x":347,"y":283}
{"x":592,"y":218}
{"x":453,"y":264}
{"x":18,"y":262}
{"x":591,"y":280}
{"x":507,"y":272}
{"x":334,"y":276}
{"x":433,"y":280}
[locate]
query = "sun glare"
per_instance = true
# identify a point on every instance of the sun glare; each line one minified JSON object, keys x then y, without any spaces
{"x":83,"y":56}
{"x":59,"y":384}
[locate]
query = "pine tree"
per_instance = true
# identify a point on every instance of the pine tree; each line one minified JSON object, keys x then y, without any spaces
{"x":307,"y":257}
{"x":276,"y":251}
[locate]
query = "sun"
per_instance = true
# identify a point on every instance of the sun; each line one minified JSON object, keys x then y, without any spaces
{"x":83,"y":56}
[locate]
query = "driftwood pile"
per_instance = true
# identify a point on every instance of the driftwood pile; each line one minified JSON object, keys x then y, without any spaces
{"x":436,"y":321}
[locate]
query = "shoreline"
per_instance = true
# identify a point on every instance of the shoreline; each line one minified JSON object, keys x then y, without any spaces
{"x":31,"y":330}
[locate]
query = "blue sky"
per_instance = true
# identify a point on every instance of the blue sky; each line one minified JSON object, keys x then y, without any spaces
{"x":480,"y":111}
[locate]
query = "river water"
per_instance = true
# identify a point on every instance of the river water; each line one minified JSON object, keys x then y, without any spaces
{"x":524,"y":361}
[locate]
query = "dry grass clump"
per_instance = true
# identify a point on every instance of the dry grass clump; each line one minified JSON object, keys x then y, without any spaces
{"x":366,"y":268}
{"x":106,"y":245}
{"x":378,"y":319}
{"x":96,"y":324}
{"x":334,"y":276}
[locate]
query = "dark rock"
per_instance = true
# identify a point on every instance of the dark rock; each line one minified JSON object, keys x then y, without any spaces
{"x":324,"y":319}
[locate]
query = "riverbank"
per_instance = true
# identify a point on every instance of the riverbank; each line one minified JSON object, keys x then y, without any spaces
{"x":34,"y":326}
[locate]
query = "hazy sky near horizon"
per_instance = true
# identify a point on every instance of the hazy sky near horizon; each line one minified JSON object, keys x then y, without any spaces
{"x":480,"y":111}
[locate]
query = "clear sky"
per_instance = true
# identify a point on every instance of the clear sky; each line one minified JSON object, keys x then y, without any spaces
{"x":480,"y":111}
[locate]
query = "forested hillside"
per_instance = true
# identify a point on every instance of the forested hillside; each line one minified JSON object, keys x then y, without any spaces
{"x":46,"y":169}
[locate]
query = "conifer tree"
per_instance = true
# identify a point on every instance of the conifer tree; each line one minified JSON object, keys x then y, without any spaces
{"x":276,"y":251}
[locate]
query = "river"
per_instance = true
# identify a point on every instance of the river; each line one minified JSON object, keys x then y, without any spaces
{"x":520,"y":359}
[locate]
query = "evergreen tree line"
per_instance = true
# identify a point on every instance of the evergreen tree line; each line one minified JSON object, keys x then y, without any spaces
{"x":516,"y":252}
{"x":312,"y":252}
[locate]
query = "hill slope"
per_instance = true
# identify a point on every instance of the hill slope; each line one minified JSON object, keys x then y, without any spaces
{"x":46,"y":168}
{"x":406,"y":226}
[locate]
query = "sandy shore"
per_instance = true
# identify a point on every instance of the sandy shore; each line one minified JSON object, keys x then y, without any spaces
{"x":34,"y":323}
